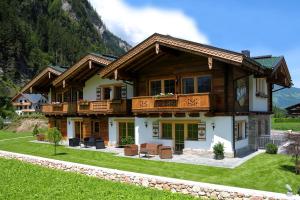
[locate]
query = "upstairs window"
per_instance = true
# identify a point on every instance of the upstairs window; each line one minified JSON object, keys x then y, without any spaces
{"x":204,"y":84}
{"x":261,"y":87}
{"x":155,"y":87}
{"x":188,"y":85}
{"x":169,"y":86}
{"x":118,"y":92}
{"x":106,"y":93}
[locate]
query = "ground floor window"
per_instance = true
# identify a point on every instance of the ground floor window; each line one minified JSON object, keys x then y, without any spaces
{"x":240,"y":130}
{"x":192,"y":131}
{"x":126,"y":133}
{"x":166,"y":131}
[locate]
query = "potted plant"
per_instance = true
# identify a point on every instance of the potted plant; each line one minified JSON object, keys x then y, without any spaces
{"x":218,"y":151}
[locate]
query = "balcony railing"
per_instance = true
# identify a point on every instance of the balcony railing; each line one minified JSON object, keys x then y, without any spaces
{"x":103,"y":106}
{"x":59,"y":108}
{"x":178,"y":102}
{"x":21,"y":103}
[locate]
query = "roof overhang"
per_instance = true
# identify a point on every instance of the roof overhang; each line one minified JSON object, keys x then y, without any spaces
{"x":156,"y":40}
{"x":280,"y":74}
{"x":86,"y":66}
{"x":41,"y":82}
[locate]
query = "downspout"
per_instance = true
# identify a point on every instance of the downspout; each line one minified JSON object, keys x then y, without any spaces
{"x":233,"y":117}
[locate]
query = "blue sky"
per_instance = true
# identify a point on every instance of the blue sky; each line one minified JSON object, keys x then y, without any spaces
{"x":264,"y":27}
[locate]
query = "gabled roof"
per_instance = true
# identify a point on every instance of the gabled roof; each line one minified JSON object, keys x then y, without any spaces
{"x":183,"y":45}
{"x":268,"y":61}
{"x":102,"y":60}
{"x":48,"y":74}
{"x":33,"y":98}
{"x":293,"y":106}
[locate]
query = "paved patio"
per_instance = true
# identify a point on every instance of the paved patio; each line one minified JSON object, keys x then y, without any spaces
{"x":203,"y":159}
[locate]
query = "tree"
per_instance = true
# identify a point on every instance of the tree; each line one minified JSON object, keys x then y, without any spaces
{"x":54,"y":136}
{"x":35,"y":130}
{"x":293,"y":147}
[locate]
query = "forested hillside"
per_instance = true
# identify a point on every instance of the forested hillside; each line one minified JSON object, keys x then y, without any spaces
{"x":36,"y":33}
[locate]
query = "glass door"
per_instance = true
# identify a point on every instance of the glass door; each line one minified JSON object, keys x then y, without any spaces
{"x":179,"y":138}
{"x":78,"y":129}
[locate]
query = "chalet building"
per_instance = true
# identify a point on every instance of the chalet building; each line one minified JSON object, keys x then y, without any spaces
{"x":169,"y":91}
{"x":294,"y":110}
{"x":34,"y":94}
{"x":26,"y":104}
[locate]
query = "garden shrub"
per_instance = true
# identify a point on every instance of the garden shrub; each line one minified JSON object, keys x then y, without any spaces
{"x":271,"y":148}
{"x":219,"y":150}
{"x":35,"y":130}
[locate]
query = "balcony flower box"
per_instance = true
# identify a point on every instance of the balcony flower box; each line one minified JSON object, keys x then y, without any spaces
{"x":84,"y":103}
{"x":165,"y":96}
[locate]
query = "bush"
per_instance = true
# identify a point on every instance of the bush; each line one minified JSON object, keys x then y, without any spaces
{"x":128,"y":140}
{"x":1,"y":123}
{"x":271,"y":148}
{"x":219,"y":150}
{"x":35,"y":130}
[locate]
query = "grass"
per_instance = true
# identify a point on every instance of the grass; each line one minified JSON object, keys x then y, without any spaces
{"x":295,"y":126}
{"x":263,"y":172}
{"x":10,"y":135}
{"x":19,"y":180}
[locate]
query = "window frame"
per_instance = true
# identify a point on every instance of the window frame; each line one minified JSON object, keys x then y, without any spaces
{"x":162,"y":131}
{"x":188,"y":133}
{"x":162,"y":85}
{"x":195,"y":78}
{"x":241,"y":129}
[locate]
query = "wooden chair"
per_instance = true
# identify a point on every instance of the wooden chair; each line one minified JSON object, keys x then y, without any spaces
{"x":165,"y":152}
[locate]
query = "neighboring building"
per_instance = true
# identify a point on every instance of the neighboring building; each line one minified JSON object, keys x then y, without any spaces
{"x":35,"y":93}
{"x":294,"y":110}
{"x":26,"y":104}
{"x":170,"y":91}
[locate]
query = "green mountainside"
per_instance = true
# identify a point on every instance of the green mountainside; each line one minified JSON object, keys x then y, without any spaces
{"x":36,"y":33}
{"x":286,"y":97}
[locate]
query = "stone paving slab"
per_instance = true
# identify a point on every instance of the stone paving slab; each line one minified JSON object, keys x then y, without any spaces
{"x":197,"y":189}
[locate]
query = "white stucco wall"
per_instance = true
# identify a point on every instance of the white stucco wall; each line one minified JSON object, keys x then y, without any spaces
{"x":256,"y":103}
{"x":89,"y":90}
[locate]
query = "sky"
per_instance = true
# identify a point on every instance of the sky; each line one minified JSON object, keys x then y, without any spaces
{"x":265,"y":27}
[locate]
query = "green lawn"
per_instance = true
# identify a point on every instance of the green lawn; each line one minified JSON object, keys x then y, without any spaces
{"x":20,"y":180}
{"x":8,"y":135}
{"x":295,"y":126}
{"x":264,"y":172}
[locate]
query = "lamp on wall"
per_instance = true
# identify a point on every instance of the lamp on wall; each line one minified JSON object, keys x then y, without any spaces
{"x":111,"y":123}
{"x":213,"y":125}
{"x":146,"y":124}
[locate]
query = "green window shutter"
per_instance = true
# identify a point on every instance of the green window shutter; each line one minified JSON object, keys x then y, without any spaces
{"x":201,"y":131}
{"x":155,"y":129}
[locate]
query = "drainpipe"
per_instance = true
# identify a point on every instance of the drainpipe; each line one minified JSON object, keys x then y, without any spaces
{"x":233,"y":116}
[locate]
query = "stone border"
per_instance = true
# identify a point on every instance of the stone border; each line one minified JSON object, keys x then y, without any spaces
{"x":197,"y":189}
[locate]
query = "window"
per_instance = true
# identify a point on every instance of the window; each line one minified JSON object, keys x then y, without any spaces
{"x":192,"y":131}
{"x":169,"y":86}
{"x":204,"y":84}
{"x":261,"y":88}
{"x":118,"y":92}
{"x":155,"y":87}
{"x":239,"y":130}
{"x":166,"y":131}
{"x":106,"y":94}
{"x":96,"y":127}
{"x":126,"y":130}
{"x":267,"y":127}
{"x":188,"y":85}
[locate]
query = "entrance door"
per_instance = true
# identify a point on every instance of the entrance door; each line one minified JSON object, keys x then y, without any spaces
{"x":179,"y":138}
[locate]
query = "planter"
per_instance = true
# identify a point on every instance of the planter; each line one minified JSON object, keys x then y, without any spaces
{"x":219,"y":157}
{"x":40,"y":137}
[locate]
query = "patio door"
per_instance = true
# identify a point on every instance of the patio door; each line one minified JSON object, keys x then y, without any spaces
{"x":78,"y":129}
{"x":179,"y":138}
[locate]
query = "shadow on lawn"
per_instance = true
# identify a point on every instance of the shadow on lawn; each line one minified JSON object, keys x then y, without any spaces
{"x":289,"y":168}
{"x":61,"y":154}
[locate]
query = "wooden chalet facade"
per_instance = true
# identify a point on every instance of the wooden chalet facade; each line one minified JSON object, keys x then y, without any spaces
{"x":168,"y":91}
{"x":294,"y":110}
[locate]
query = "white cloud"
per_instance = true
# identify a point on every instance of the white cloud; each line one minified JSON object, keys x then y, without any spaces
{"x":136,"y":24}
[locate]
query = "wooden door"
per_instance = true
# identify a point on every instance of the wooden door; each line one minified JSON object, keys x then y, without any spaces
{"x":104,"y":130}
{"x":78,"y":129}
{"x":179,"y":138}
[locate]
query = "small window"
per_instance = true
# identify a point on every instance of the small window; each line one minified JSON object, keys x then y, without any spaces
{"x":96,"y":127}
{"x":192,"y":131}
{"x":166,"y":131}
{"x":106,"y":95}
{"x":204,"y":84}
{"x":188,"y":85}
{"x":169,"y":86}
{"x":239,"y":130}
{"x":155,"y":87}
{"x":118,"y":92}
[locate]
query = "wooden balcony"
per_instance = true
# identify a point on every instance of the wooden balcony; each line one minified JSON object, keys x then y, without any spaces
{"x":103,"y":107}
{"x":21,"y":103}
{"x":59,"y":109}
{"x":175,"y":103}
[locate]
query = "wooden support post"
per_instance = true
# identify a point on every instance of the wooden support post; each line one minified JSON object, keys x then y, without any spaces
{"x":116,"y":74}
{"x":64,"y":83}
{"x":49,"y":75}
{"x":90,"y":64}
{"x":157,"y":48}
{"x":210,"y":63}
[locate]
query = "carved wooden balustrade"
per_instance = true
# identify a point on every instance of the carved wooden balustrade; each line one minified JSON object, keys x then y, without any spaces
{"x":178,"y":102}
{"x":59,"y":108}
{"x":103,"y":107}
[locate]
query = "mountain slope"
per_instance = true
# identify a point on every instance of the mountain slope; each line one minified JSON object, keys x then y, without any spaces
{"x":35,"y":33}
{"x":286,"y":97}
